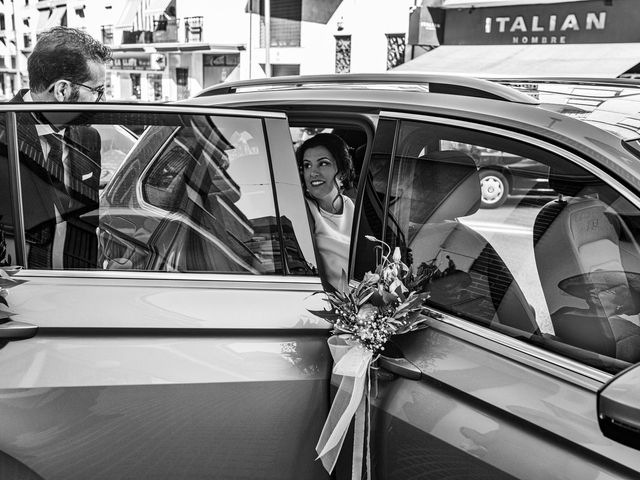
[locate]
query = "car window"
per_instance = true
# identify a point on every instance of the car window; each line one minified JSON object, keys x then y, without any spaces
{"x":193,"y":194}
{"x":7,"y":231}
{"x":117,"y":140}
{"x":555,"y":265}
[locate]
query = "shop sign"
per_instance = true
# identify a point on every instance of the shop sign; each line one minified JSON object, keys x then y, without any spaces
{"x":590,"y":21}
{"x":154,"y":61}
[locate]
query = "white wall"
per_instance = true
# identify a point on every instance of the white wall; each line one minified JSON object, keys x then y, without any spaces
{"x":225,"y":21}
{"x":367,"y":21}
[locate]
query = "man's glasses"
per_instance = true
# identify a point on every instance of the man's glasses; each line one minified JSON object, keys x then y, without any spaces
{"x":99,"y":91}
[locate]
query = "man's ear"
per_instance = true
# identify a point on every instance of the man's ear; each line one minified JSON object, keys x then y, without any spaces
{"x":61,"y":90}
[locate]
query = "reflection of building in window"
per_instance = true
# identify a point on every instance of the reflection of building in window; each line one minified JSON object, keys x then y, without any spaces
{"x":205,"y":203}
{"x":395,"y":50}
{"x":343,"y":54}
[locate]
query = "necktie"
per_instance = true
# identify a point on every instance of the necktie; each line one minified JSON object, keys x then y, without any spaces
{"x":54,"y":160}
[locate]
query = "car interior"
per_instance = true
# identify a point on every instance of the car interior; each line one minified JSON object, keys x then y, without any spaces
{"x":577,"y":239}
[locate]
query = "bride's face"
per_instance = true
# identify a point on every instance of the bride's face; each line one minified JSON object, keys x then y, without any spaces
{"x":320,"y":170}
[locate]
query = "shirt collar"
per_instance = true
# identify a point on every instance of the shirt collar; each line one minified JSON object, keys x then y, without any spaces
{"x":42,"y":128}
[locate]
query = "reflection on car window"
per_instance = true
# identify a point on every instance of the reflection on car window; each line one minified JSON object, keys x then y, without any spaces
{"x":193,"y":194}
{"x":207,"y":188}
{"x":117,"y":141}
{"x":7,"y":232}
{"x":556,"y":264}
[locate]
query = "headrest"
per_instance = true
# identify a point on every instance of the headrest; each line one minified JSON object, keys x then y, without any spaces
{"x":571,"y":180}
{"x":358,"y":157}
{"x":446,"y":186}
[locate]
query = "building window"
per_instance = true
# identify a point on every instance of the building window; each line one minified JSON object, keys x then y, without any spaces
{"x":136,"y":89}
{"x":107,"y":34}
{"x":343,"y":54}
{"x":220,"y":60}
{"x":182,"y":82}
{"x":193,"y":29}
{"x":395,"y":49}
{"x":182,"y":76}
{"x":286,"y":17}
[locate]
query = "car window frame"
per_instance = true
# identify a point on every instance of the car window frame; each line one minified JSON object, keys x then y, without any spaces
{"x":537,"y":357}
{"x":10,"y":111}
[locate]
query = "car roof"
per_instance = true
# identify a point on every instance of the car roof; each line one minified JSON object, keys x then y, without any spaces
{"x":609,"y":104}
{"x":449,"y":84}
{"x":612,"y":104}
{"x":532,"y":120}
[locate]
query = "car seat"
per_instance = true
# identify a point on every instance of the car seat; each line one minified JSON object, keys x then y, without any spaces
{"x":575,"y":235}
{"x":472,"y":279}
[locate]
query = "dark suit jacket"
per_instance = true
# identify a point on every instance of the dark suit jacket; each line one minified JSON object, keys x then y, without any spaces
{"x":77,"y":203}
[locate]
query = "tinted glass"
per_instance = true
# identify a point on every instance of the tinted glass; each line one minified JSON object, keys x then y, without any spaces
{"x":7,"y":233}
{"x":193,"y":194}
{"x":555,"y":265}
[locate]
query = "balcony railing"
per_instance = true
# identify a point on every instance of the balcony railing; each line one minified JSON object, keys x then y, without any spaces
{"x":193,"y":29}
{"x":164,"y":30}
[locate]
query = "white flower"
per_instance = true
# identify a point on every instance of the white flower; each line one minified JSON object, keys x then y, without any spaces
{"x":397,"y":257}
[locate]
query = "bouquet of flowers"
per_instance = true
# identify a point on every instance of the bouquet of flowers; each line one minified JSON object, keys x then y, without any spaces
{"x":364,"y":317}
{"x":380,"y":306}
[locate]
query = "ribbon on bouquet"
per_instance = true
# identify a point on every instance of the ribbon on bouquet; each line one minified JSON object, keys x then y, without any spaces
{"x":351,"y":362}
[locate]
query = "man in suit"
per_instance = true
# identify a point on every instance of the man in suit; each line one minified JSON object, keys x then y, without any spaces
{"x":60,"y":162}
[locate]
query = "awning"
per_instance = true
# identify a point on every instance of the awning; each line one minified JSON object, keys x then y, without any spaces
{"x":55,"y":20}
{"x":128,"y":16}
{"x":48,"y":17}
{"x":489,"y":3}
{"x":43,"y":19}
{"x":575,"y":60}
{"x":156,"y":7}
{"x":177,"y":47}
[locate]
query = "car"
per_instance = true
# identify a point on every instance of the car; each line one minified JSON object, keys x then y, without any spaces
{"x":188,"y":348}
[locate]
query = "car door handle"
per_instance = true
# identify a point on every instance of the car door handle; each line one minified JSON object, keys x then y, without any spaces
{"x":13,"y":330}
{"x":400,"y":366}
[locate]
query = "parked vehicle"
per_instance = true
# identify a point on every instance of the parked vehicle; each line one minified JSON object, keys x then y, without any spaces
{"x":188,"y":351}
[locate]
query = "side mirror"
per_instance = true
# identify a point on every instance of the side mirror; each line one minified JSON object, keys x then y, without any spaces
{"x":619,"y":408}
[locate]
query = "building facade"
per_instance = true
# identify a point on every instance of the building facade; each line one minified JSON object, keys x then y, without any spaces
{"x":572,"y":38}
{"x":172,"y":49}
{"x":329,"y":36}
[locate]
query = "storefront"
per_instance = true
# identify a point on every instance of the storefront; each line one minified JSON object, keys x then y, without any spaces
{"x":169,"y":72}
{"x":137,"y":76}
{"x":590,"y":38}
